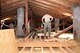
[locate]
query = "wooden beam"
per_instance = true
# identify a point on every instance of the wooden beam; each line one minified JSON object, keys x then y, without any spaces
{"x":48,"y":6}
{"x":53,"y":5}
{"x":12,"y":7}
{"x":63,"y":2}
{"x":9,"y":13}
{"x":75,"y":2}
{"x":66,"y":5}
{"x":65,"y":30}
{"x":11,"y":3}
{"x":41,"y":8}
{"x":3,"y":3}
{"x":41,"y":5}
{"x":26,"y":16}
{"x":41,"y":11}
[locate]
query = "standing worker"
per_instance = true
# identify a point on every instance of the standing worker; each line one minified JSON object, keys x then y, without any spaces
{"x":46,"y":20}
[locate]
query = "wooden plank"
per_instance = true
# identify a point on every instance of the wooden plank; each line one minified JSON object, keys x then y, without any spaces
{"x":51,"y":50}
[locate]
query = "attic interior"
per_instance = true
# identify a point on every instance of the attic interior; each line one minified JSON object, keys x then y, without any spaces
{"x":65,"y":26}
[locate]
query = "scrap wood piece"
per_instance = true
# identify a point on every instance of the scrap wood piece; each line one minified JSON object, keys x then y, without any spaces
{"x":68,"y":28}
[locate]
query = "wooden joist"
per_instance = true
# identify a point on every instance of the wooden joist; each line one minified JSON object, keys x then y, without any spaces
{"x":64,"y":51}
{"x":42,"y":51}
{"x":45,"y":44}
{"x":22,"y":49}
{"x":52,"y":50}
{"x":69,"y":50}
{"x":31,"y":51}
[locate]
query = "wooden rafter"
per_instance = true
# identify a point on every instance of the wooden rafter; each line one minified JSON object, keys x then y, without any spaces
{"x":12,"y":6}
{"x":48,"y":6}
{"x":53,"y":5}
{"x":38,"y":9}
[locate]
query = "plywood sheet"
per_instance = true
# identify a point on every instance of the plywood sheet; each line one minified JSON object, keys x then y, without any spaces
{"x":7,"y":41}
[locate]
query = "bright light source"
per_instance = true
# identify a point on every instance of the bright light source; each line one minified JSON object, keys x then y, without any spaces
{"x":67,"y":14}
{"x":72,"y":17}
{"x":6,"y":19}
